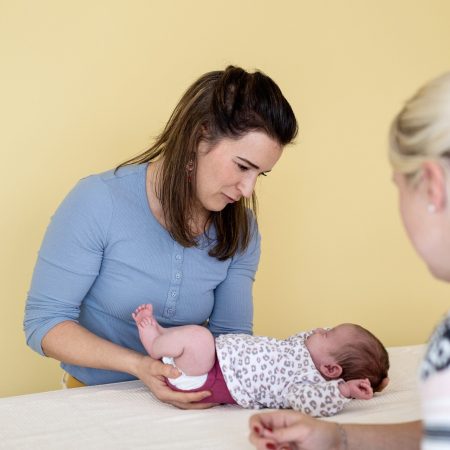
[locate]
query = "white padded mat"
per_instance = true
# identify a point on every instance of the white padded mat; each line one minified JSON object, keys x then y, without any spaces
{"x":127,"y":416}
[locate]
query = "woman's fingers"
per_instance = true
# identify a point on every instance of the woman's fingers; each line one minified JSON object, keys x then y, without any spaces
{"x":170,"y":396}
{"x":193,"y":405}
{"x":276,"y":419}
{"x":164,"y":370}
{"x":291,"y":429}
{"x":183,"y":400}
{"x":261,"y":443}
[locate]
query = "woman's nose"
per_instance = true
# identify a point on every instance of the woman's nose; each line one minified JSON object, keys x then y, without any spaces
{"x":246,"y":186}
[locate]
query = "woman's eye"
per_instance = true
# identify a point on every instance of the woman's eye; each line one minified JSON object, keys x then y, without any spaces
{"x":242,"y":167}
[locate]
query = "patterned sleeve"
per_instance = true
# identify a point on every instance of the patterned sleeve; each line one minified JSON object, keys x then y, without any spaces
{"x":318,"y":400}
{"x":435,"y":390}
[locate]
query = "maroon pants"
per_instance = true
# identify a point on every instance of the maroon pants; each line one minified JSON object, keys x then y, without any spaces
{"x":214,"y":383}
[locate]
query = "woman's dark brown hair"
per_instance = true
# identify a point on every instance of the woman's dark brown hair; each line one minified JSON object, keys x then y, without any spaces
{"x":227,"y":103}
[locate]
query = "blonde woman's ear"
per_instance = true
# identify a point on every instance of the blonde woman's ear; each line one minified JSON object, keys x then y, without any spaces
{"x":435,"y":178}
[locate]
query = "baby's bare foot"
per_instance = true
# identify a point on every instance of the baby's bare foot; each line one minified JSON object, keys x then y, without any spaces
{"x":148,"y":327}
{"x":142,"y":312}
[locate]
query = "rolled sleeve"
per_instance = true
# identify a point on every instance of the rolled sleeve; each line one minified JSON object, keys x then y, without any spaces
{"x":69,"y":259}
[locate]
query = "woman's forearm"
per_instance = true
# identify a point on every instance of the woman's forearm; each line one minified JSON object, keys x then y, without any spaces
{"x":73,"y":344}
{"x":400,"y":436}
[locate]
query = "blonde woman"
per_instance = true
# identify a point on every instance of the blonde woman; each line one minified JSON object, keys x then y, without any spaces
{"x":420,"y":157}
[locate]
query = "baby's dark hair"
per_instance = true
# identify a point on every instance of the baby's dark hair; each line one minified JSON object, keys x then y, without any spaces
{"x":365,"y":357}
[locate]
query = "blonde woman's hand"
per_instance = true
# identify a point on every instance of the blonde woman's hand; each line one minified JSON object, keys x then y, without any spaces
{"x":286,"y":429}
{"x":153,"y":373}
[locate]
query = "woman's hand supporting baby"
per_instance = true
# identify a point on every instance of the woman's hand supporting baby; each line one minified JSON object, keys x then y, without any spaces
{"x":153,"y":373}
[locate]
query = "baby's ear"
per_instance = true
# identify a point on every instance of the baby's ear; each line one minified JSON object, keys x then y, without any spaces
{"x":331,"y":370}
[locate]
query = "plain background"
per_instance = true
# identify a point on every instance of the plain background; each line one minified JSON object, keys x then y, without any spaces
{"x":87,"y":84}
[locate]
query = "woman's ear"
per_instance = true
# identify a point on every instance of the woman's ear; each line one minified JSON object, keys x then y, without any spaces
{"x":331,"y":370}
{"x":434,"y":177}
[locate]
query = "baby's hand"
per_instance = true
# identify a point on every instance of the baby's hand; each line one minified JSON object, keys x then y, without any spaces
{"x":360,"y":389}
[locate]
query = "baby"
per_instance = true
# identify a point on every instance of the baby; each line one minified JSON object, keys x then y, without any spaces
{"x":316,"y":372}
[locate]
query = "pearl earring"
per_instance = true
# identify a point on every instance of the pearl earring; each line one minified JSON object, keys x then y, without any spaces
{"x":431,"y":208}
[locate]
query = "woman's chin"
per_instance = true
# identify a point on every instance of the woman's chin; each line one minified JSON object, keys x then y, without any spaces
{"x":439,"y":272}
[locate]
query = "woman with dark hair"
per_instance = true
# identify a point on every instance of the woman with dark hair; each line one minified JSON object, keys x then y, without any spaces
{"x":175,"y":227}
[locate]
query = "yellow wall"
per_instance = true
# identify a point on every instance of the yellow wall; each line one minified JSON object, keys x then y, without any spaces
{"x":86,"y":84}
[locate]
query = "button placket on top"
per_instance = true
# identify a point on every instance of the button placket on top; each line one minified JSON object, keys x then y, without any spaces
{"x":173,"y":293}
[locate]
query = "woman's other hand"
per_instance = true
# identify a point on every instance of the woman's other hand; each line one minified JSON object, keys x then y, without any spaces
{"x":292,"y":430}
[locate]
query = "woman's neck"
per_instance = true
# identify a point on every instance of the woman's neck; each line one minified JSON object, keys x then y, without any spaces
{"x":153,"y":173}
{"x":199,"y":221}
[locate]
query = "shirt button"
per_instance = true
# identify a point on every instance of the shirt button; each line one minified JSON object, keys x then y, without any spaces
{"x":178,"y":257}
{"x":178,"y":275}
{"x":173,"y":293}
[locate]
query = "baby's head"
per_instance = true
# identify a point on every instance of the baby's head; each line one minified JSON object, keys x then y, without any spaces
{"x":350,"y":352}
